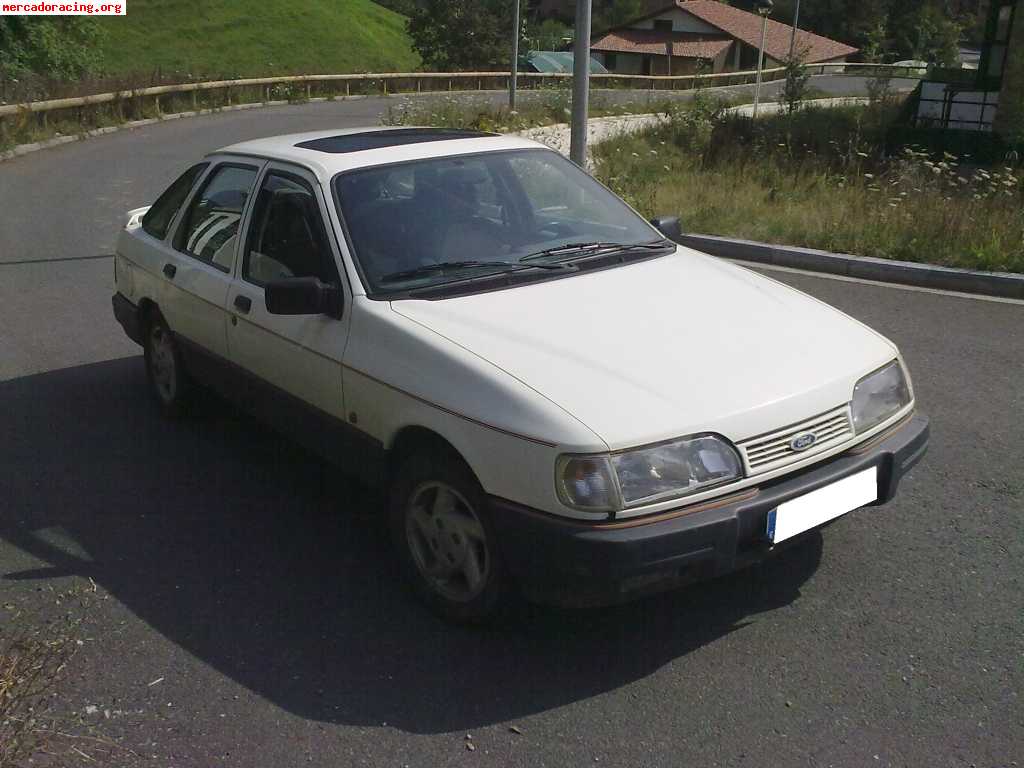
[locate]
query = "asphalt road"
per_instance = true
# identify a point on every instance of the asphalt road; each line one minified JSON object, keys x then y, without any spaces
{"x":257,"y":588}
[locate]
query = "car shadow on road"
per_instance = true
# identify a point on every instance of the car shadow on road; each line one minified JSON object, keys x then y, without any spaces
{"x":249,"y":554}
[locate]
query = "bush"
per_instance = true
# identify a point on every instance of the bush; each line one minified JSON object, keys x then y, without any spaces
{"x":58,"y":47}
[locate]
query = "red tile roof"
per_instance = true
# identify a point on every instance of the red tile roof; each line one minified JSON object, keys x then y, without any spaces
{"x":747,"y":27}
{"x":737,"y":24}
{"x":654,"y":42}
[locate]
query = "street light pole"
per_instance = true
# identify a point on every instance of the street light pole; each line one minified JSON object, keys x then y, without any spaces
{"x":580,"y":84}
{"x":764,"y":8}
{"x":792,"y":38}
{"x":515,"y":58}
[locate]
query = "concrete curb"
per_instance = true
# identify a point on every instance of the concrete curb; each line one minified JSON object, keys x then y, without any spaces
{"x":1002,"y":284}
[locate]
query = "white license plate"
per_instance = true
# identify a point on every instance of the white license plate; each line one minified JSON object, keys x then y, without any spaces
{"x":820,"y":506}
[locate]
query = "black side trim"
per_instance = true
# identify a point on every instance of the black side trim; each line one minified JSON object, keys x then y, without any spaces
{"x":336,"y":441}
{"x":127,"y":314}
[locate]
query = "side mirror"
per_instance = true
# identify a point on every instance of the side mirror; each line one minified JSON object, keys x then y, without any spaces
{"x":302,"y":296}
{"x":669,"y":226}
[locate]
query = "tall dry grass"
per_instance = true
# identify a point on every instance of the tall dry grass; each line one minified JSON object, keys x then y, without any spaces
{"x":821,"y":179}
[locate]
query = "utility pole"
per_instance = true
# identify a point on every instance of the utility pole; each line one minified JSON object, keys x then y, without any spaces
{"x":764,"y":8}
{"x":580,"y":84}
{"x":792,"y":39}
{"x":515,"y":58}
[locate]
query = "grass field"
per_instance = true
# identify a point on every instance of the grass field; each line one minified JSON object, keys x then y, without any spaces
{"x":228,"y":38}
{"x":822,"y":179}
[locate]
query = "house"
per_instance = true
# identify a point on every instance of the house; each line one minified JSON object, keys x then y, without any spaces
{"x":688,"y":35}
{"x":990,"y":98}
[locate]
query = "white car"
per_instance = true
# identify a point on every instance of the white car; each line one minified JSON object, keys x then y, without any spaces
{"x":558,"y":399}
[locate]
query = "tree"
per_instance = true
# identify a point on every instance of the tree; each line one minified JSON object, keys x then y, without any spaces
{"x":452,"y":35}
{"x":795,"y":87}
{"x":548,"y":35}
{"x":58,"y":47}
{"x":929,"y":35}
{"x":876,"y":51}
{"x":919,"y":29}
{"x":612,"y":13}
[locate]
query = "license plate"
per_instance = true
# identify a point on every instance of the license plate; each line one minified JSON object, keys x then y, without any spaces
{"x":820,"y":506}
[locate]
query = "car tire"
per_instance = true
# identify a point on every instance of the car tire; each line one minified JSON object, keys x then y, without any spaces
{"x":445,"y":541}
{"x":168,"y":381}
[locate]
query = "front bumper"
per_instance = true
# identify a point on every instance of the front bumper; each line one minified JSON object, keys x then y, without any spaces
{"x":569,"y":563}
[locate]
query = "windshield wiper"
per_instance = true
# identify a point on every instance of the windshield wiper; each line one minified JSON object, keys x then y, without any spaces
{"x":444,"y":266}
{"x":559,"y":250}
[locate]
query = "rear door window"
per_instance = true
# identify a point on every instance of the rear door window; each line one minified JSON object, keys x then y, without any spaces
{"x":209,"y":229}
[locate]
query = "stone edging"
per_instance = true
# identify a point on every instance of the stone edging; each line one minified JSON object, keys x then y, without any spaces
{"x":1002,"y":284}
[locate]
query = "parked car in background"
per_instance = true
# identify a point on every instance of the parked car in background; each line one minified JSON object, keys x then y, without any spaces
{"x":559,"y":400}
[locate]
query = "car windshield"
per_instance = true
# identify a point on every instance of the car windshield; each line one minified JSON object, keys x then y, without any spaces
{"x":428,"y":222}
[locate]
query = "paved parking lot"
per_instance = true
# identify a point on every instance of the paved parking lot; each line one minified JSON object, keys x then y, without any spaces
{"x":257,"y":587}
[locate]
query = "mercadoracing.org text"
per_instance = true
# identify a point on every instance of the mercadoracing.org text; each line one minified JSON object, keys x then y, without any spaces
{"x":62,"y":9}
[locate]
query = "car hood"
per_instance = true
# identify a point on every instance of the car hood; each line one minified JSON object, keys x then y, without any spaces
{"x":666,"y":347}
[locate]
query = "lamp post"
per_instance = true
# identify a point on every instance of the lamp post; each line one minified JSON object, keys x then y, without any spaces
{"x":792,"y":37}
{"x":764,"y":9}
{"x":580,"y":84}
{"x":515,"y":58}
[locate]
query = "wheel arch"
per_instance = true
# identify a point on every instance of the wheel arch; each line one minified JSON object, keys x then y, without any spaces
{"x":415,"y":438}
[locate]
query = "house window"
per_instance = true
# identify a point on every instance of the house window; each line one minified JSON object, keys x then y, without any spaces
{"x":610,"y":61}
{"x":663,"y":25}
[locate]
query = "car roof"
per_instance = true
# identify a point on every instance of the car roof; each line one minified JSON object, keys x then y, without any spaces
{"x":327,"y":153}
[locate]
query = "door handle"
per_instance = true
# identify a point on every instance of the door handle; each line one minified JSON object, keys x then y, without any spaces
{"x":170,"y":271}
{"x":243,"y":304}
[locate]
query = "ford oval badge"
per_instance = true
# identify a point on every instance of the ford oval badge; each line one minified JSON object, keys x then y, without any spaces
{"x":803,"y":442}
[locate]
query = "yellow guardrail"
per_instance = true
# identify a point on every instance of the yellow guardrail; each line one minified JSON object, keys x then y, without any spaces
{"x":413,"y":82}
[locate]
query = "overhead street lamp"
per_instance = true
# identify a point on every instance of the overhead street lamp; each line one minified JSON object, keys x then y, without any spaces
{"x":764,"y":9}
{"x":515,"y":58}
{"x":580,"y":84}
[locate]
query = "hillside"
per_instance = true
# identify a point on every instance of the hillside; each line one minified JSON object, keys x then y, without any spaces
{"x":233,"y":38}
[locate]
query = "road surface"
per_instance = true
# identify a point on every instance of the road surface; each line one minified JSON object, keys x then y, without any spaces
{"x":256,"y":588}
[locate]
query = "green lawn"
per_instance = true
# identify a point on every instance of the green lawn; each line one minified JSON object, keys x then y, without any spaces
{"x":229,"y":38}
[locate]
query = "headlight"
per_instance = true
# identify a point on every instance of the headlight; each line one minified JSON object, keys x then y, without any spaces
{"x":879,"y":395}
{"x":646,"y":475}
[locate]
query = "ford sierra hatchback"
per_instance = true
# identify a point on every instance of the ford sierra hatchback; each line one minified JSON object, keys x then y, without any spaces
{"x":559,"y":400}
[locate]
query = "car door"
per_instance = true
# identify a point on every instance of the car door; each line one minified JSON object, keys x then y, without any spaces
{"x":199,"y":259}
{"x":298,"y":356}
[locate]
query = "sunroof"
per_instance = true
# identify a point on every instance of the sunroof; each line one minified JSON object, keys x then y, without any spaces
{"x":358,"y":142}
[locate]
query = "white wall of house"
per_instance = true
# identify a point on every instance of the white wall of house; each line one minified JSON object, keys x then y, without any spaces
{"x":681,"y":22}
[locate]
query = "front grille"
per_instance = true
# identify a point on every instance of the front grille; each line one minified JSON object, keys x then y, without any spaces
{"x":772,"y":451}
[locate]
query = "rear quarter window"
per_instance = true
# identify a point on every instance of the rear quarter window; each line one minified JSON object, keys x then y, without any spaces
{"x":159,"y":216}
